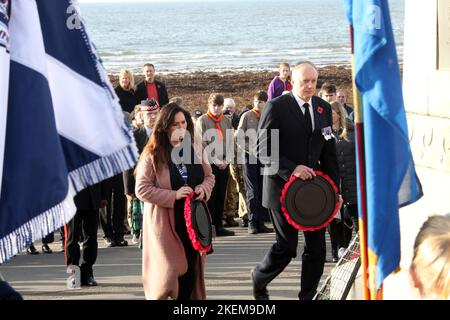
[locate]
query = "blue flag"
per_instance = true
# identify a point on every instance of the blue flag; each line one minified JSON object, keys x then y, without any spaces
{"x":391,"y":180}
{"x":65,"y":129}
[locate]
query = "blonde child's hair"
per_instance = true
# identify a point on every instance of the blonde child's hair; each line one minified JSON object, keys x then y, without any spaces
{"x":337,"y":107}
{"x":284,"y":64}
{"x":431,"y":261}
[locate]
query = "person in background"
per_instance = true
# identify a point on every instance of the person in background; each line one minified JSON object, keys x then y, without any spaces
{"x":85,"y":222}
{"x":252,"y":167}
{"x":136,"y":117}
{"x":328,"y":92}
{"x":177,"y":100}
{"x":230,"y":105}
{"x":341,"y":96}
{"x":280,"y":83}
{"x":195,"y":115}
{"x":125,"y":90}
{"x":112,"y":218}
{"x":141,"y":136}
{"x":171,"y":267}
{"x":430,"y":267}
{"x":212,"y":128}
{"x":31,"y":249}
{"x":344,"y":134}
{"x":151,"y":88}
{"x":231,"y":207}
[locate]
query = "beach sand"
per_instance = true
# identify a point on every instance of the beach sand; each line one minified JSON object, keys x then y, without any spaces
{"x":195,"y":88}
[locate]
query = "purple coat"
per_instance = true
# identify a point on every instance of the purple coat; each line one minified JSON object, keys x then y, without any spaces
{"x":277,"y":87}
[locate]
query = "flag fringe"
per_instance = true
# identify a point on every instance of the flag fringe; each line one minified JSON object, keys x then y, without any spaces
{"x":38,"y":227}
{"x":104,"y":168}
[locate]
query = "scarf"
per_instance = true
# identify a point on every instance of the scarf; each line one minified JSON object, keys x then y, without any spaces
{"x":258,"y":114}
{"x":217,"y":123}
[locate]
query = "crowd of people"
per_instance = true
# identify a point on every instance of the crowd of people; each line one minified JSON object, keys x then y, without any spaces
{"x":225,"y":169}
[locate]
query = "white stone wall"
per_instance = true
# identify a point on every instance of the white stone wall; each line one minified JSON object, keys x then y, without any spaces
{"x":427,"y":101}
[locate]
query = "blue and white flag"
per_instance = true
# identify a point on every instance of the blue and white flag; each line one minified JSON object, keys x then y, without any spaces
{"x":64,"y":126}
{"x":4,"y":78}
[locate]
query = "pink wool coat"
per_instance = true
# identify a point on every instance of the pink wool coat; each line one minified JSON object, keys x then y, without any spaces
{"x":163,"y":256}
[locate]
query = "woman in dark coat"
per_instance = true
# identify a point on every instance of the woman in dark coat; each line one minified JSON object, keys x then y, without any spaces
{"x":125,"y":91}
{"x":344,"y":134}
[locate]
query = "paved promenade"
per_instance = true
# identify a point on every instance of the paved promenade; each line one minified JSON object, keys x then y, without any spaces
{"x":118,"y":271}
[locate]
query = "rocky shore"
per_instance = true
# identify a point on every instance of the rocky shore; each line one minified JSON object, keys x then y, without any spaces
{"x":195,"y":88}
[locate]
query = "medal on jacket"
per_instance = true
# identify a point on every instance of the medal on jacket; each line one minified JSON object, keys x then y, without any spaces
{"x":327,"y":133}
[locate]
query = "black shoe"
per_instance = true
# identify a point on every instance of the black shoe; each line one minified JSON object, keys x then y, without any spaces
{"x":263,"y":229}
{"x":111,"y":244}
{"x":230,"y":223}
{"x":121,"y":243}
{"x":89,"y":282}
{"x":244,"y":223}
{"x":108,"y":241}
{"x":252,"y":229}
{"x":46,"y":249}
{"x":32,"y":250}
{"x":222,"y":232}
{"x":258,"y":293}
{"x":334,"y":254}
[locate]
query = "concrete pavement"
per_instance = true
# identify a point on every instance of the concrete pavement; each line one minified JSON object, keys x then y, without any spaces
{"x":118,"y":271}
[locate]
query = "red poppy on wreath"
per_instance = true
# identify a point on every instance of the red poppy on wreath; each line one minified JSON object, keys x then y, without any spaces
{"x":320,"y":110}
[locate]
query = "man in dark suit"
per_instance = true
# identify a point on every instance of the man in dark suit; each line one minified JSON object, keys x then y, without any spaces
{"x":88,"y":201}
{"x":299,"y":118}
{"x":151,"y":88}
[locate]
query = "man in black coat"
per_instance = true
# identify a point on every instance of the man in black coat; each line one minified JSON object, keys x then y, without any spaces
{"x":299,"y":118}
{"x":88,"y":201}
{"x":151,"y":88}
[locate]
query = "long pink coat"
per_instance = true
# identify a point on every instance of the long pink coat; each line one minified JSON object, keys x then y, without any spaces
{"x":163,"y":256}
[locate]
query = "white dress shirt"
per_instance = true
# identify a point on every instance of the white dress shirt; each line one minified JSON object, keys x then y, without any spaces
{"x":301,"y":102}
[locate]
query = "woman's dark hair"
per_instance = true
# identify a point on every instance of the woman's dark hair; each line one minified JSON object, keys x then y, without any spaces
{"x":159,"y":144}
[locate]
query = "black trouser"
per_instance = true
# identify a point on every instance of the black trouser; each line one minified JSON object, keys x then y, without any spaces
{"x":186,"y":282}
{"x":336,"y":231}
{"x":285,"y":248}
{"x":112,"y":219}
{"x":85,"y":221}
{"x":48,"y":238}
{"x":350,"y":223}
{"x":253,"y":187}
{"x":217,"y":200}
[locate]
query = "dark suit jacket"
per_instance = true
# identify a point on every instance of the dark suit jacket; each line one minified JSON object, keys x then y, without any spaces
{"x":90,"y":197}
{"x":141,"y":138}
{"x":141,"y":92}
{"x":294,"y":146}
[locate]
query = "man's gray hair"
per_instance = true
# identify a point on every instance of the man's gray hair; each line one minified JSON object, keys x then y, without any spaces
{"x":301,"y":63}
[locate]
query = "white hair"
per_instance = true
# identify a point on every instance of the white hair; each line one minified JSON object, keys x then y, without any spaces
{"x":229,"y":102}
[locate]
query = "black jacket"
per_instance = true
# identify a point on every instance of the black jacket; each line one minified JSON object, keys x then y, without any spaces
{"x":347,"y":164}
{"x":127,"y":99}
{"x":295,"y":147}
{"x":141,"y":92}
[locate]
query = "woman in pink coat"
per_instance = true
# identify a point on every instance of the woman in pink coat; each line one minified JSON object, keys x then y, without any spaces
{"x":171,"y":267}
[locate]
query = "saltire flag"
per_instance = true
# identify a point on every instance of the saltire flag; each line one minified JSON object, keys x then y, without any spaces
{"x":64,"y":126}
{"x":391,"y":180}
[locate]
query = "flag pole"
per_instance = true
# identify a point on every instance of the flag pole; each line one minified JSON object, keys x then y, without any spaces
{"x":362,"y":203}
